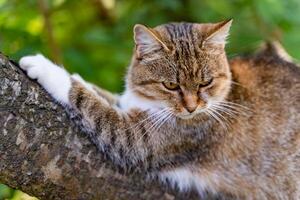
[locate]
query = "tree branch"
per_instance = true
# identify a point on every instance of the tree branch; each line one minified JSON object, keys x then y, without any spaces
{"x":45,"y":154}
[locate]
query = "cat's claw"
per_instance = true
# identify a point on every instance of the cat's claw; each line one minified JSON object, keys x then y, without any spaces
{"x":52,"y":77}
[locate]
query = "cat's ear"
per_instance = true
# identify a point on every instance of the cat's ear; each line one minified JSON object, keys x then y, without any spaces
{"x":146,"y":40}
{"x":218,"y":33}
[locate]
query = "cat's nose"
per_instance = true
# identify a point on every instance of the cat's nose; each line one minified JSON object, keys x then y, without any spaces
{"x":191,"y":109}
{"x":190,"y":102}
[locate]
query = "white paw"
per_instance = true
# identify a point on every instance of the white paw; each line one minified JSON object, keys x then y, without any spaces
{"x":52,"y":77}
{"x":33,"y":65}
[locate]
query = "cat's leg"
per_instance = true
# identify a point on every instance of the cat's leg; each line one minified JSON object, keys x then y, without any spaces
{"x":125,"y":137}
{"x":111,"y":98}
{"x":56,"y":80}
{"x":105,"y":119}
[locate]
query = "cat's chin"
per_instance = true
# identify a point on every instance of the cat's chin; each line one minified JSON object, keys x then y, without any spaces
{"x":188,"y":116}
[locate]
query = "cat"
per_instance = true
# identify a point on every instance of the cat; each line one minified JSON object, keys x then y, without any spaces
{"x":190,"y":116}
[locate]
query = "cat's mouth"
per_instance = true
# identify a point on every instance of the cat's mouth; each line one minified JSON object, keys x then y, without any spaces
{"x":186,"y":116}
{"x":191,"y":115}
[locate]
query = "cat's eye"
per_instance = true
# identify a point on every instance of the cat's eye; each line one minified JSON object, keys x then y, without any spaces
{"x":206,"y":83}
{"x":171,"y":85}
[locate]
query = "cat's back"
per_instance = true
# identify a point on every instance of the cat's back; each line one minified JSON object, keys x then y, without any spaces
{"x":268,"y":84}
{"x":269,"y":78}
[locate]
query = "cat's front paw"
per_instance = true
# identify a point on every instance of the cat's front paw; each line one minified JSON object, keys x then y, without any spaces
{"x":34,"y":65}
{"x":52,"y":77}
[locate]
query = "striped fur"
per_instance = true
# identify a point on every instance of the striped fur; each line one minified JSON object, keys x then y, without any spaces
{"x":242,"y":140}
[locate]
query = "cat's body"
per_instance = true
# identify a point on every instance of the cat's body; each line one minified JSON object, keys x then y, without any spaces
{"x":237,"y":131}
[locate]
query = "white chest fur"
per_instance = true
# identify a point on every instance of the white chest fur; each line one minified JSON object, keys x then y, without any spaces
{"x":184,"y":180}
{"x":129,"y":100}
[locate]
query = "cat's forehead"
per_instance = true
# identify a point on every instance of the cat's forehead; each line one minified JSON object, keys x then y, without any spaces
{"x":179,"y":33}
{"x":185,"y":41}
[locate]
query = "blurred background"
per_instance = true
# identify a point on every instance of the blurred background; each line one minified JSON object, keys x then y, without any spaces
{"x":94,"y":37}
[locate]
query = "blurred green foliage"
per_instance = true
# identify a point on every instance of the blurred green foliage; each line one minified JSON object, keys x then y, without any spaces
{"x":94,"y":37}
{"x":7,"y":193}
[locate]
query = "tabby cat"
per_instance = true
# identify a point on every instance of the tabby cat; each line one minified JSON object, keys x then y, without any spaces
{"x":191,"y":117}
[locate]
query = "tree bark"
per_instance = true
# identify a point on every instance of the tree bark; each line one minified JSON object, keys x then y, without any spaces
{"x":44,"y":153}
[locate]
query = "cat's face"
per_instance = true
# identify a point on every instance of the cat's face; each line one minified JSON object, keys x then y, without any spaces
{"x":181,"y":67}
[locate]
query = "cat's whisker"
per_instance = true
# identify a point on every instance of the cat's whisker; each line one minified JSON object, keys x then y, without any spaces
{"x":159,"y":116}
{"x":229,"y":103}
{"x":233,"y":109}
{"x":216,"y":118}
{"x":238,"y":84}
{"x":221,"y":112}
{"x":167,"y":116}
{"x":228,"y":111}
{"x":236,"y":107}
{"x":156,"y":118}
{"x":152,"y":115}
{"x":226,"y":121}
{"x":159,"y":122}
{"x":170,"y":115}
{"x":218,"y":112}
{"x":153,"y":127}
